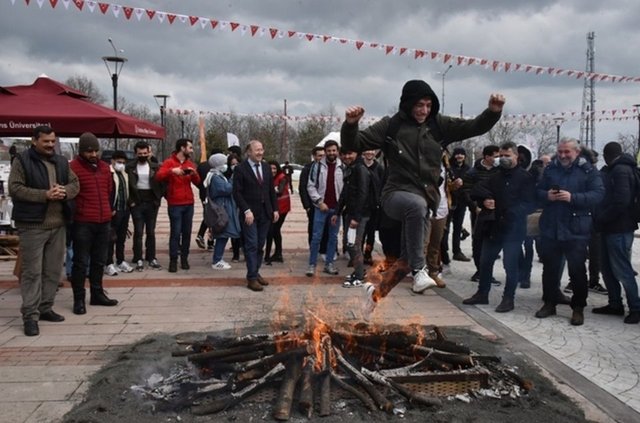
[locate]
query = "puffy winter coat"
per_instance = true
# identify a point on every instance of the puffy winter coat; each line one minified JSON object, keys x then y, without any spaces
{"x":93,"y":203}
{"x":614,"y":215}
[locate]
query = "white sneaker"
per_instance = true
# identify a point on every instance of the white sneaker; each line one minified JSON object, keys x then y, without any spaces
{"x":221,"y":265}
{"x":124,"y":267}
{"x":139,"y":266}
{"x":422,"y":281}
{"x":111,"y":270}
{"x":368,"y":304}
{"x":311,"y":270}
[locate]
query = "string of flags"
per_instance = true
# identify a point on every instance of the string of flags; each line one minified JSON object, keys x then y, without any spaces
{"x":528,"y":119}
{"x":133,"y":14}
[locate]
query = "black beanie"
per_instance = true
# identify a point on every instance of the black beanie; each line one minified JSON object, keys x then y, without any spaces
{"x":415,"y":90}
{"x":88,"y":142}
{"x":611,"y":151}
{"x":459,"y":150}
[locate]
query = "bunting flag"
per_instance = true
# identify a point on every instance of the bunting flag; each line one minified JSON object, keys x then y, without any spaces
{"x":275,"y":33}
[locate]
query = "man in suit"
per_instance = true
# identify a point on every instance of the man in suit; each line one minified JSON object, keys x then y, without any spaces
{"x":256,"y":199}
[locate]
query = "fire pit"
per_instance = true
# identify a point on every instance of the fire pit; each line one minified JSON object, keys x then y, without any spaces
{"x":316,"y":370}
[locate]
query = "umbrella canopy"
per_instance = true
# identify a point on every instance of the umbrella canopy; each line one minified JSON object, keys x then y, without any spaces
{"x":67,"y":111}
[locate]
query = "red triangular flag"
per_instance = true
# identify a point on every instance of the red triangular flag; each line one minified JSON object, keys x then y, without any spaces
{"x":326,"y":38}
{"x":27,"y":1}
{"x":373,"y":45}
{"x":447,"y":57}
{"x":291,"y":33}
{"x":128,"y":11}
{"x":193,"y":20}
{"x":234,"y":25}
{"x":418,"y":53}
{"x":53,"y":3}
{"x":103,"y":7}
{"x":79,"y":3}
{"x":507,"y":66}
{"x":171,"y":18}
{"x":388,"y":49}
{"x":359,"y":44}
{"x":273,"y":32}
{"x":434,"y":54}
{"x":309,"y":37}
{"x":214,"y":24}
{"x":254,"y":29}
{"x":150,"y":13}
{"x":402,"y":50}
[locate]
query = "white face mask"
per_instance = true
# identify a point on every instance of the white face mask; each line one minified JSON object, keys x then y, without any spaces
{"x":223,"y":169}
{"x":496,"y":161}
{"x":119,"y":167}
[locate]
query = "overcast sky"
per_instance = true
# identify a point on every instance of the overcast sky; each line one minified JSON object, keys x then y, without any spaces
{"x":222,"y":71}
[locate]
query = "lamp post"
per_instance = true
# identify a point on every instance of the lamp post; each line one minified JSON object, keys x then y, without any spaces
{"x":161,"y":101}
{"x":559,"y":121}
{"x":637,"y":107}
{"x":117,"y":62}
{"x":444,"y":74}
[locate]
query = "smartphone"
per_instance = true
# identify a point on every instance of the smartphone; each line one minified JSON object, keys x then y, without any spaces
{"x":555,"y":188}
{"x":187,"y":170}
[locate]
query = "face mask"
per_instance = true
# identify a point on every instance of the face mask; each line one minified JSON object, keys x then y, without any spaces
{"x":223,"y":169}
{"x":119,"y":167}
{"x":506,"y":162}
{"x":233,"y":166}
{"x":496,"y":161}
{"x":142,"y":159}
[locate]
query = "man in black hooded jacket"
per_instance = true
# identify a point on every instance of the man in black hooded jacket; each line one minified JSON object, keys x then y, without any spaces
{"x":412,"y":141}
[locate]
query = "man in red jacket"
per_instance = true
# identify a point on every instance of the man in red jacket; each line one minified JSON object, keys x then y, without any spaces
{"x":179,"y":172}
{"x":91,"y":223}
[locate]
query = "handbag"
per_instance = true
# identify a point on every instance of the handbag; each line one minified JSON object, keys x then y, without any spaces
{"x":215,"y":217}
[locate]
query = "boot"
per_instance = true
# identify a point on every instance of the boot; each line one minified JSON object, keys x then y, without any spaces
{"x":79,"y":306}
{"x":577,"y":317}
{"x":477,"y":298}
{"x":505,"y":306}
{"x":98,"y":297}
{"x":184,"y":263}
{"x":548,"y":309}
{"x":173,"y":265}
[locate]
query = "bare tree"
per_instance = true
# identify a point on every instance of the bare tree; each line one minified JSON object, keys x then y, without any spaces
{"x":85,"y":85}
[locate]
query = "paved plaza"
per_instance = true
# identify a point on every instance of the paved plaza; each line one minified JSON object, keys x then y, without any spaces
{"x":42,"y":377}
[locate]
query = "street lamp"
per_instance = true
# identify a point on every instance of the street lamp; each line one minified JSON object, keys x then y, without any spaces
{"x":117,"y":62}
{"x":559,"y":121}
{"x":161,"y":101}
{"x":637,"y":107}
{"x":444,"y":74}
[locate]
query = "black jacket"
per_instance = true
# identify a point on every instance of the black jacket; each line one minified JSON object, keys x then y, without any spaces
{"x":614,"y":214}
{"x":249,"y":194}
{"x":302,"y":186}
{"x":356,"y":197}
{"x":157,"y":188}
{"x":475,"y":175}
{"x":514,"y":193}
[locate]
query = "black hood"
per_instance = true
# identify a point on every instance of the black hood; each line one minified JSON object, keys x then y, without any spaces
{"x":415,"y":90}
{"x":624,"y":159}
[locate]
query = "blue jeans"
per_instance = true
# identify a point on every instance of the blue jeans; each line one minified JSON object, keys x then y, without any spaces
{"x":510,"y":260}
{"x":553,"y":254}
{"x":320,"y":219}
{"x":180,"y":220}
{"x":616,"y":270}
{"x":218,"y":249}
{"x":254,"y":237}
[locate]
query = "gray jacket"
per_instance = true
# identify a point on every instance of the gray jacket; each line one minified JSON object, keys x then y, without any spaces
{"x":317,"y":185}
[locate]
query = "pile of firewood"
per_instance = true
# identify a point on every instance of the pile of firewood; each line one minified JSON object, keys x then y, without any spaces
{"x":376,"y":366}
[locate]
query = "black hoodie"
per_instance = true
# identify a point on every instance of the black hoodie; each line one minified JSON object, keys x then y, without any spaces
{"x":614,"y":214}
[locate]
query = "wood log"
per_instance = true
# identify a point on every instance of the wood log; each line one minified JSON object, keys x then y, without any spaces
{"x":447,"y":346}
{"x":305,"y":403}
{"x":228,"y":400}
{"x":269,"y":347}
{"x":463,"y":360}
{"x":282,"y":408}
{"x":353,"y":391}
{"x":382,"y":402}
{"x":324,"y":408}
{"x":276,"y":358}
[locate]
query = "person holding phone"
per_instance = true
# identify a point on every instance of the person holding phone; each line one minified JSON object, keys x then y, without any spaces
{"x":179,"y":172}
{"x":570,"y":189}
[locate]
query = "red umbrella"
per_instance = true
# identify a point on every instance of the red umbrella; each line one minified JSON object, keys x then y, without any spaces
{"x":67,"y":111}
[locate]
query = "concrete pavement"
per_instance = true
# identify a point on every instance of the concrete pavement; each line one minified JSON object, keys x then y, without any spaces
{"x":43,"y":377}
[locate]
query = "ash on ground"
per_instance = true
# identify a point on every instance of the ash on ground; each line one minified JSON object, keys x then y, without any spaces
{"x":136,"y":386}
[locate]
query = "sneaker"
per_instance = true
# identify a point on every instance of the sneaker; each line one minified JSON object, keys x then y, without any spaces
{"x":139,"y":266}
{"x":464,"y":234}
{"x":475,"y":277}
{"x":352,"y":276}
{"x":124,"y":267}
{"x":598,"y":289}
{"x":311,"y":271}
{"x":330,"y":268}
{"x":460,"y":257}
{"x":633,"y":318}
{"x":154,"y":264}
{"x":368,"y":304}
{"x":446,"y":269}
{"x":111,"y":270}
{"x":569,"y":288}
{"x":200,"y":242}
{"x":422,"y":281}
{"x":221,"y":265}
{"x":235,"y":259}
{"x":352,"y":283}
{"x":610,"y":310}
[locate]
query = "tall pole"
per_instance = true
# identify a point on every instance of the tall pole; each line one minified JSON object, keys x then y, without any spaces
{"x":285,"y":142}
{"x":444,"y":74}
{"x":559,"y":122}
{"x":161,"y":101}
{"x":118,"y":63}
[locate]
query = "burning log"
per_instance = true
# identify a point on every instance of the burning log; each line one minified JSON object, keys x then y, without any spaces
{"x":353,"y":391}
{"x":282,"y":409}
{"x":305,"y":402}
{"x":382,"y":402}
{"x":447,"y":346}
{"x":325,"y":378}
{"x":462,"y":360}
{"x":222,"y":403}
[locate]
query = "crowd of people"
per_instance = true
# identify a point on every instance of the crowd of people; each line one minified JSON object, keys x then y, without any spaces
{"x":395,"y":178}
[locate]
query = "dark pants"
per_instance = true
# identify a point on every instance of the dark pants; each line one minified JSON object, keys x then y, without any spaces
{"x":510,"y":260}
{"x":90,"y":243}
{"x":457,"y":218}
{"x":275,"y":236}
{"x":595,"y":254}
{"x":254,"y":237}
{"x":526,"y":259}
{"x":552,"y":253}
{"x":118,"y":236}
{"x":144,"y":217}
{"x":181,"y":221}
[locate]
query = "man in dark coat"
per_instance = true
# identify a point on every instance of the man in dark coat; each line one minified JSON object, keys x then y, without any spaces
{"x":256,"y":199}
{"x":616,"y":223}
